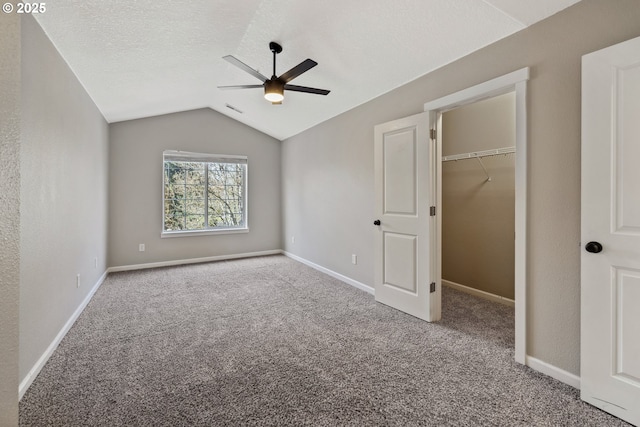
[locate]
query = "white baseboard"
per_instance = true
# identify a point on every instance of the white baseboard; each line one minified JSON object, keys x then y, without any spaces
{"x":479,"y":293}
{"x":191,"y":261}
{"x":553,"y":371}
{"x":332,"y":273}
{"x":35,"y":370}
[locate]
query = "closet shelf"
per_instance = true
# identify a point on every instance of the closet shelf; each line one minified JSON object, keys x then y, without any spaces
{"x":479,"y":154}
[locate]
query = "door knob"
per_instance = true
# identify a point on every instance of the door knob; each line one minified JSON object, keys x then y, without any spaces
{"x":376,"y":222}
{"x":593,"y":247}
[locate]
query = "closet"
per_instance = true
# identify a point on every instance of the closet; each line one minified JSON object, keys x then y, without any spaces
{"x":478,"y":198}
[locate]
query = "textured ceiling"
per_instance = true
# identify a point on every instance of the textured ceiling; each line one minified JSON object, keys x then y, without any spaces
{"x":148,"y":57}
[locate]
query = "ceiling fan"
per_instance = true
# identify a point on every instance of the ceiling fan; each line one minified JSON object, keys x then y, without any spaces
{"x":275,"y":86}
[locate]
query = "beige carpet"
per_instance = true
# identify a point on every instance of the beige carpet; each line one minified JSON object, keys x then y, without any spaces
{"x":269,"y":341}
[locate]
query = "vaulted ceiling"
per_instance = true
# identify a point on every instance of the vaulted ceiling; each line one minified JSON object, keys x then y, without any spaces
{"x":149,"y":57}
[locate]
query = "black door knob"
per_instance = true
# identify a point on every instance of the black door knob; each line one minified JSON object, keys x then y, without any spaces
{"x":376,"y":222}
{"x":593,"y":247}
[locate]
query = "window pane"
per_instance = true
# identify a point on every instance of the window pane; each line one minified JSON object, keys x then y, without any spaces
{"x":194,"y":191}
{"x":173,"y":191}
{"x":226,"y":181}
{"x":220,"y":215}
{"x":174,"y":206}
{"x":194,"y":206}
{"x":174,"y":222}
{"x":195,"y":222}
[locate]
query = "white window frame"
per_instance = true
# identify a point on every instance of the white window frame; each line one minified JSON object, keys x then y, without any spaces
{"x":185,"y":156}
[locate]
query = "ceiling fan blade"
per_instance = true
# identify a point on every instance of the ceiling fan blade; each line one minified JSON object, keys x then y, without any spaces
{"x":241,"y":87}
{"x":245,"y":67}
{"x":305,"y":89}
{"x":302,"y":67}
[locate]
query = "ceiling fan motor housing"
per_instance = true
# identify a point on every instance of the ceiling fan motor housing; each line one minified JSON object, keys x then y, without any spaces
{"x":274,"y":89}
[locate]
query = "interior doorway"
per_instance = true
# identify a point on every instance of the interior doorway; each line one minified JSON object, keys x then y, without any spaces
{"x":516,"y":82}
{"x":408,"y":183}
{"x":478,"y":198}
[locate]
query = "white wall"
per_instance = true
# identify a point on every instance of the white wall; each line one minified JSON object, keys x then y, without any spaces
{"x":10,"y":214}
{"x":135,"y":186}
{"x":63,"y":195}
{"x":328,"y":195}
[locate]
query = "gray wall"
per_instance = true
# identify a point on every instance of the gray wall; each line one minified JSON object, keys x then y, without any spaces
{"x":328,"y":194}
{"x":135,"y":186}
{"x":10,"y":214}
{"x":478,"y":216}
{"x":63,"y":194}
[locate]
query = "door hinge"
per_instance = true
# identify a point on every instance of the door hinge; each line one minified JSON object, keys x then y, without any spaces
{"x":432,"y":134}
{"x":432,"y":211}
{"x":432,"y":287}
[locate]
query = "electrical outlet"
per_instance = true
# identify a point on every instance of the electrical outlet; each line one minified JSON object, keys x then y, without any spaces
{"x":95,"y":262}
{"x":354,"y":259}
{"x":293,"y":239}
{"x":78,"y":281}
{"x":141,"y":247}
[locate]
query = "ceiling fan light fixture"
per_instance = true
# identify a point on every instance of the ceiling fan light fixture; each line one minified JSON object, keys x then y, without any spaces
{"x":274,"y":97}
{"x":273,"y":91}
{"x":275,"y":86}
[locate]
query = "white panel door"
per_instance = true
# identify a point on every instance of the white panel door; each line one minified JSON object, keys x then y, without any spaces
{"x":404,"y":246}
{"x":610,"y":276}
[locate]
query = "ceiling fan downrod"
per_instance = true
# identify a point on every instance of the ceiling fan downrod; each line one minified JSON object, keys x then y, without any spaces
{"x":276,"y":49}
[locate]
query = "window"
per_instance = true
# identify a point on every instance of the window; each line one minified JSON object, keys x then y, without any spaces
{"x":204,"y":193}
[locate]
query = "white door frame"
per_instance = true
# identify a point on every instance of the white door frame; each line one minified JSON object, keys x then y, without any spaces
{"x":512,"y":82}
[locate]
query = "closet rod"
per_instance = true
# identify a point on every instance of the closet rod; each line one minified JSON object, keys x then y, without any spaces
{"x":479,"y":154}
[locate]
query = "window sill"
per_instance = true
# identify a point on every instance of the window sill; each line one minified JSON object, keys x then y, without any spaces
{"x":170,"y":234}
